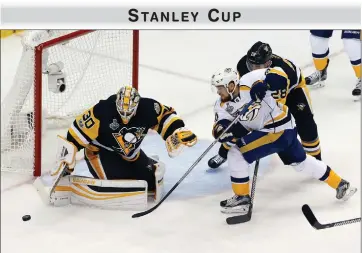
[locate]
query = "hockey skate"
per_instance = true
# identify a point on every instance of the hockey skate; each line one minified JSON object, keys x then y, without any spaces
{"x":344,"y":191}
{"x":356,"y":93}
{"x":236,"y":204}
{"x":317,"y":79}
{"x":216,"y":161}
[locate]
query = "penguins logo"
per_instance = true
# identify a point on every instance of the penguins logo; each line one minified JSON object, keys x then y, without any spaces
{"x":127,"y":139}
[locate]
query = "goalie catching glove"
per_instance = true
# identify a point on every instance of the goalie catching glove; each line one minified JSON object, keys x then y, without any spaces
{"x":176,"y":142}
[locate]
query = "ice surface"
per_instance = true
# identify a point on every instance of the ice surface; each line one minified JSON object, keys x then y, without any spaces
{"x":176,"y":67}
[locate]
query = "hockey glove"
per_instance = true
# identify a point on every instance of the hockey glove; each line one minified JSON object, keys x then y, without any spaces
{"x":176,"y":142}
{"x":219,"y":128}
{"x":258,"y":91}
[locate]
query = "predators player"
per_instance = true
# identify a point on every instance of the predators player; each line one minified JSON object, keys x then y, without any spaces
{"x":294,"y":94}
{"x":110,"y":134}
{"x":319,"y":41}
{"x":267,"y":127}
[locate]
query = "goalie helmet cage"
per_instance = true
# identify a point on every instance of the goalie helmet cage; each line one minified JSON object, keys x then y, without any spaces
{"x":95,"y":64}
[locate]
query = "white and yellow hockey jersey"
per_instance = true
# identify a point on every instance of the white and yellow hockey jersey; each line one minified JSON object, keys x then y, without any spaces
{"x":271,"y":117}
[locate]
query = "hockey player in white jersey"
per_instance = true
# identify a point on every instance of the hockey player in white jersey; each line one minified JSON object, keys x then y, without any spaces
{"x":266,"y":128}
{"x":294,"y":94}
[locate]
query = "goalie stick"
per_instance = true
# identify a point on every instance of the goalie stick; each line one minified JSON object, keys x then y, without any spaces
{"x":246,"y":217}
{"x":308,"y":213}
{"x":140,"y":214}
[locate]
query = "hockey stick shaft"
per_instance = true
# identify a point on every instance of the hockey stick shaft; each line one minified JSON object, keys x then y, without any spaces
{"x":246,"y":217}
{"x":340,"y":223}
{"x":253,"y":185}
{"x":58,"y":177}
{"x":136,"y":215}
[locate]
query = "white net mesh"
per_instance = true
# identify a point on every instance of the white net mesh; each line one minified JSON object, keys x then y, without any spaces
{"x":93,"y":65}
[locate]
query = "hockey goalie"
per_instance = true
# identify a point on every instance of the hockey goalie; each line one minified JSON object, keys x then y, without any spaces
{"x":110,"y":134}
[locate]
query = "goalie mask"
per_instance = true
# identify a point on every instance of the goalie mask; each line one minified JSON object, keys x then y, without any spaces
{"x":127,"y":102}
{"x":224,"y":77}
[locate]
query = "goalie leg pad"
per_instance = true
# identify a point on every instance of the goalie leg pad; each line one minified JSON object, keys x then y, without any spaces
{"x":65,"y":165}
{"x":107,"y":194}
{"x":62,"y":195}
{"x":46,"y":186}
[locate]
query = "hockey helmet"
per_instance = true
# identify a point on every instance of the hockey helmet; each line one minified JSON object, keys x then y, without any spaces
{"x":224,"y":77}
{"x":259,"y":53}
{"x":127,"y":102}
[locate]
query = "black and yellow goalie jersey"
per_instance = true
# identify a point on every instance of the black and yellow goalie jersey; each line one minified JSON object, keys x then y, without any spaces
{"x":101,"y":127}
{"x":293,"y":78}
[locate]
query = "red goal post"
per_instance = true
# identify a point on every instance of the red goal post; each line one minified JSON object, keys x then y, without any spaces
{"x":95,"y":63}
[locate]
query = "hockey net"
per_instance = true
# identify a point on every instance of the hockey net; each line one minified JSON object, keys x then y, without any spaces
{"x":61,"y":73}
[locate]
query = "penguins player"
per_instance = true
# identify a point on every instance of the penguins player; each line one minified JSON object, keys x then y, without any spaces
{"x":294,"y":94}
{"x":110,"y":134}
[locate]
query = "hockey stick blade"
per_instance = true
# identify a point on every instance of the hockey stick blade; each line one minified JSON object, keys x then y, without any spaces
{"x":140,"y":214}
{"x":309,"y":215}
{"x":233,"y":220}
{"x":137,"y":215}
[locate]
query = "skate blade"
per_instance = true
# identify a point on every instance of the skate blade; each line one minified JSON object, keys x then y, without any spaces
{"x":237,"y":209}
{"x":356,"y":98}
{"x":350,"y":193}
{"x":317,"y":85}
{"x":210,"y":170}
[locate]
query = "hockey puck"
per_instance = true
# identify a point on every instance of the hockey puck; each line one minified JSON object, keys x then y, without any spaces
{"x":26,"y":217}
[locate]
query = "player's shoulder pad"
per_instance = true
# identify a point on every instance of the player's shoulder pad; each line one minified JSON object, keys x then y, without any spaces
{"x":276,"y":79}
{"x":150,"y":107}
{"x":278,"y":61}
{"x":105,"y":105}
{"x":250,"y":78}
{"x":275,"y":58}
{"x":276,"y":71}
